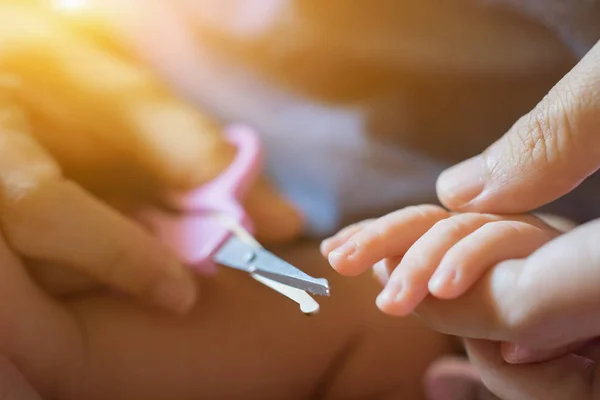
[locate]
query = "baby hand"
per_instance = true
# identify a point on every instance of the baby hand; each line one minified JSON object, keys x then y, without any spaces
{"x":426,"y":249}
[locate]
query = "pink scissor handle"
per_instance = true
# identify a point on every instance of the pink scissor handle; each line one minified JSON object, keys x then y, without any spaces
{"x":195,"y":234}
{"x":234,"y":182}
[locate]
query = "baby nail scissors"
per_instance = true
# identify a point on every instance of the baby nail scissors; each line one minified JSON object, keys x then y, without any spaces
{"x":211,"y":227}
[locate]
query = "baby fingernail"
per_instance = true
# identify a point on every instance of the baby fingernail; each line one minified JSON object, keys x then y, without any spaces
{"x":389,"y":296}
{"x":441,"y":279}
{"x":344,"y":251}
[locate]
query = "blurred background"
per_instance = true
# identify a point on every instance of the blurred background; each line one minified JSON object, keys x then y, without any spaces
{"x":360,"y":104}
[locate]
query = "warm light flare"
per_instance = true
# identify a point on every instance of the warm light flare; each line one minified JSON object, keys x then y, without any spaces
{"x":70,"y":5}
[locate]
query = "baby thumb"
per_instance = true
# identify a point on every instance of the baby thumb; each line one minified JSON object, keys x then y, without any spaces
{"x":547,"y":153}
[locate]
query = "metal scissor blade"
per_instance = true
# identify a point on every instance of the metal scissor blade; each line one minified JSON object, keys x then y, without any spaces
{"x":239,"y":254}
{"x":307,"y":304}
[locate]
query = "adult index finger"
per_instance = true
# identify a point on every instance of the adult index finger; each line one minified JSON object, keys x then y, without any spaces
{"x":48,"y":218}
{"x":547,"y":153}
{"x":127,"y":113}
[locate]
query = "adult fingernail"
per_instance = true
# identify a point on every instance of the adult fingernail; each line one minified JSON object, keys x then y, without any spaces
{"x":514,"y":353}
{"x":460,"y":184}
{"x":177,"y":294}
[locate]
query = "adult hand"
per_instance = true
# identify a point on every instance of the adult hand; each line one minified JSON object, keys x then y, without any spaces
{"x":546,"y":154}
{"x":51,"y":220}
{"x":120,"y":40}
{"x":77,"y":114}
{"x":73,"y":109}
{"x":546,"y":304}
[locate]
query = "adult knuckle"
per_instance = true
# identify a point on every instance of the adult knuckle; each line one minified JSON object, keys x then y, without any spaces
{"x":25,"y":168}
{"x":22,"y":219}
{"x":535,"y":138}
{"x":548,"y":132}
{"x":20,"y":191}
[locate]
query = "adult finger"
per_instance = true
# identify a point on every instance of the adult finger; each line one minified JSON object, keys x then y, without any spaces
{"x":518,"y":354}
{"x":128,"y":114}
{"x":275,"y":219}
{"x":545,"y":301}
{"x":50,"y":219}
{"x":13,"y":385}
{"x":544,"y":155}
{"x":569,"y":377}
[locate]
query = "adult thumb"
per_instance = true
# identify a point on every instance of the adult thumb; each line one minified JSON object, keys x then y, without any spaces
{"x":13,"y":385}
{"x":546,"y":154}
{"x":569,"y":377}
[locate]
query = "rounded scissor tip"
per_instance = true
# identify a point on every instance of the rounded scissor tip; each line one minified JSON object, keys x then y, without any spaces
{"x":310,"y":309}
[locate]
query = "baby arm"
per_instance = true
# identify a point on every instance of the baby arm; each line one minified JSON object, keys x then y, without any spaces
{"x":428,"y":250}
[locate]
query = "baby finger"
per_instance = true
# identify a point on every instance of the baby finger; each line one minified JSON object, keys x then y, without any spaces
{"x":470,"y":258}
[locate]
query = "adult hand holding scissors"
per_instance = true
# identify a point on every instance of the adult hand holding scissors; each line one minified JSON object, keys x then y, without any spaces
{"x":78,"y":114}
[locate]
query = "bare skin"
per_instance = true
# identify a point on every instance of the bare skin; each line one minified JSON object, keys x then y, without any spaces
{"x":427,"y":250}
{"x":241,"y":341}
